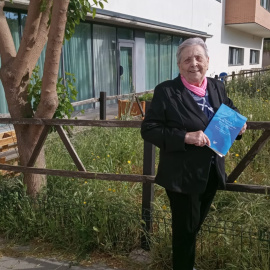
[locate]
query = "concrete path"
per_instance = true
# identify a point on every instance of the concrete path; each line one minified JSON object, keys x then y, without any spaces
{"x":27,"y":263}
{"x":17,"y":257}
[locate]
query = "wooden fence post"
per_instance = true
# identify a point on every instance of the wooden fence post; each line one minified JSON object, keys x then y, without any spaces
{"x":102,"y":106}
{"x":233,"y":75}
{"x":147,"y":191}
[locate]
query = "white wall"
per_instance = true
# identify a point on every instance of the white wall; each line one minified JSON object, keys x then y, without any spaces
{"x":202,"y":15}
{"x":223,"y":38}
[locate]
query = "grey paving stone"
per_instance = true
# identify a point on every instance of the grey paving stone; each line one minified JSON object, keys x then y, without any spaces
{"x":27,"y":263}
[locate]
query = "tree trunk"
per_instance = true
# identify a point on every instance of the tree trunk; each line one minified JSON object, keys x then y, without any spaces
{"x":17,"y":68}
{"x":27,"y":139}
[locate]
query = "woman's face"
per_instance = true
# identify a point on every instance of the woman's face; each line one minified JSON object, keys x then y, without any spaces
{"x":193,"y":64}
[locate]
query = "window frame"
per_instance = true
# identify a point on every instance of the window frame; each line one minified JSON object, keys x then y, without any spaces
{"x":240,"y":61}
{"x":265,"y":4}
{"x":257,"y":57}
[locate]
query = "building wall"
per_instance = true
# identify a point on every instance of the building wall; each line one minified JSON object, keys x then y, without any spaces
{"x":201,"y":15}
{"x":262,"y":15}
{"x":247,"y":8}
{"x":266,"y":59}
{"x":174,"y":19}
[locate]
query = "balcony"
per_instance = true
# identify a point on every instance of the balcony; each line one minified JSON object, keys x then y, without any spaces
{"x":248,"y":16}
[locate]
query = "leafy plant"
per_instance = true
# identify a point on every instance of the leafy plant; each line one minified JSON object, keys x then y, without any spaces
{"x":77,"y":11}
{"x":66,"y":91}
{"x":146,"y":97}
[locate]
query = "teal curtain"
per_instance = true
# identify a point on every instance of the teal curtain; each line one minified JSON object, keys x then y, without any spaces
{"x":175,"y":43}
{"x":151,"y":60}
{"x":104,"y":54}
{"x":126,"y":84}
{"x":12,"y":19}
{"x":165,"y":58}
{"x":78,"y":60}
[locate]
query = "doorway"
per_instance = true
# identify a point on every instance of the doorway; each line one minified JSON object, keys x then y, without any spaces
{"x":126,"y":81}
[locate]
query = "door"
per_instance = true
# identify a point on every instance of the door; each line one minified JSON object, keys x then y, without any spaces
{"x":126,"y":82}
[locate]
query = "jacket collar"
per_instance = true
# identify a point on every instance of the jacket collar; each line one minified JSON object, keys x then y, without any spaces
{"x":213,"y":94}
{"x":190,"y":103}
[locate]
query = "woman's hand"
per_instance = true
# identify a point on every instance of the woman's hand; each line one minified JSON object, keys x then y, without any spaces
{"x":197,"y":138}
{"x":243,"y":129}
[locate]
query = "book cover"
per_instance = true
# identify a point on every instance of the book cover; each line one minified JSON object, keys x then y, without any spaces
{"x":224,"y":128}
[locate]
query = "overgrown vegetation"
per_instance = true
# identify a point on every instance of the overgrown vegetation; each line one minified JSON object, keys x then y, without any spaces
{"x":66,"y":92}
{"x":85,"y":215}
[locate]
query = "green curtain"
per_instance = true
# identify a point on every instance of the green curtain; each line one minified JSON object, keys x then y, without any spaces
{"x":151,"y":60}
{"x":126,"y":78}
{"x":12,"y":19}
{"x":175,"y":43}
{"x":104,"y":53}
{"x":78,"y":60}
{"x":165,"y":58}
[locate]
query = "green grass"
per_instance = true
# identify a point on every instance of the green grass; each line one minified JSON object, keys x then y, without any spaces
{"x":84,"y":215}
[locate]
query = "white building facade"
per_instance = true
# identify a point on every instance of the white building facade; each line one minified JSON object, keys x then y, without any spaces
{"x":131,"y":45}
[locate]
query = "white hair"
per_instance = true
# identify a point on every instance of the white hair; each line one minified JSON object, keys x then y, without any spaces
{"x":191,"y":42}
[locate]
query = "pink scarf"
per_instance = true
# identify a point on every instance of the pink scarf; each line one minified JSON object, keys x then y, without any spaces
{"x":197,"y":90}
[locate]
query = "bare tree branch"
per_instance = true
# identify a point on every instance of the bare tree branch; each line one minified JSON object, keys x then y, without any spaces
{"x":42,"y":35}
{"x":7,"y":47}
{"x":29,"y":39}
{"x":49,"y":100}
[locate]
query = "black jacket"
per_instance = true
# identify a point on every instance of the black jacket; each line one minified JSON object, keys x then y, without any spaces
{"x":173,"y":112}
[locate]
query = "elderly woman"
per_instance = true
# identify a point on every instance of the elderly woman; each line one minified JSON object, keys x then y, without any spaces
{"x":190,"y":171}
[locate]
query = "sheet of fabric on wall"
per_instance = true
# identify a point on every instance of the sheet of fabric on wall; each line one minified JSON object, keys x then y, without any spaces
{"x":165,"y":57}
{"x":104,"y":53}
{"x":78,"y":61}
{"x":151,"y":60}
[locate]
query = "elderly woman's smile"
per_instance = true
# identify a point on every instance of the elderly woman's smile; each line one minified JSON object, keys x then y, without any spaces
{"x":193,"y":64}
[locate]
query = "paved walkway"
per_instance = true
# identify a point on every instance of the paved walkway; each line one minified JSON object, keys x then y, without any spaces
{"x":27,"y":263}
{"x":14,"y":257}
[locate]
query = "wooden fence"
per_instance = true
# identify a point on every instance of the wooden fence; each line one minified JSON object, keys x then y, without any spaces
{"x":243,"y":73}
{"x":147,"y":179}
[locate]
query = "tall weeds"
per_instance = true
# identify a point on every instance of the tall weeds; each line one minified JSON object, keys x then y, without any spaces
{"x":83,"y":215}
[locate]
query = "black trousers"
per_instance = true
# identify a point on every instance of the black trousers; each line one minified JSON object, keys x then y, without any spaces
{"x":188,"y":214}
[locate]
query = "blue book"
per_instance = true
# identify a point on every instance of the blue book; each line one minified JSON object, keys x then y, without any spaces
{"x":224,"y":128}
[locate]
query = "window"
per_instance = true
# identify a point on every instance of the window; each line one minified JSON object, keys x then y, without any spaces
{"x":165,"y":59}
{"x":151,"y":60}
{"x":265,"y":4}
{"x":160,"y":58}
{"x":104,"y":51}
{"x":236,"y":56}
{"x":254,"y":57}
{"x":78,"y":60}
{"x":219,"y":1}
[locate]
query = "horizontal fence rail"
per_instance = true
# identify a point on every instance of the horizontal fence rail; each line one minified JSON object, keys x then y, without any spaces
{"x":71,"y":122}
{"x":136,"y":178}
{"x":80,"y":174}
{"x":265,"y":125}
{"x":94,"y":100}
{"x":246,"y":73}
